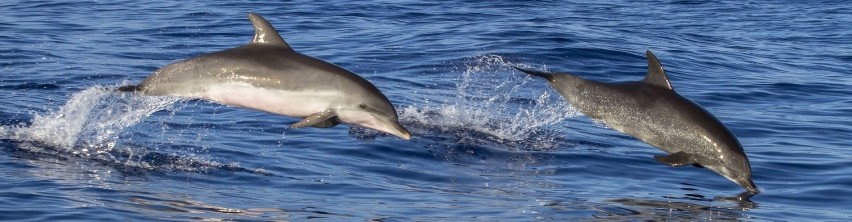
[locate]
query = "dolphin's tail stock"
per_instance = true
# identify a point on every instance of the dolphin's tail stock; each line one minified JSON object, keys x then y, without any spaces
{"x":128,"y":88}
{"x":541,"y":74}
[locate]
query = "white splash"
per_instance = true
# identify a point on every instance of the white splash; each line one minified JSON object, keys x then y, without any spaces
{"x":90,"y":122}
{"x":493,"y":99}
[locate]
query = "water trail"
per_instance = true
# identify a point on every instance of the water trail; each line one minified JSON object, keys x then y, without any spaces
{"x":89,"y":123}
{"x":492,"y":100}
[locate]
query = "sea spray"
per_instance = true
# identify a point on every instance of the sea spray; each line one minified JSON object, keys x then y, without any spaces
{"x":90,"y":126}
{"x":89,"y":123}
{"x":492,"y":100}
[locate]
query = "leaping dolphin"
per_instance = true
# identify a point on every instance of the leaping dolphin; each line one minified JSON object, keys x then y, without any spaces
{"x":267,"y":75}
{"x":653,"y":112}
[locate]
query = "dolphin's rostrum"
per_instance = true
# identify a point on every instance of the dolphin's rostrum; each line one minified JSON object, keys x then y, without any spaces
{"x":653,"y":112}
{"x":268,"y":75}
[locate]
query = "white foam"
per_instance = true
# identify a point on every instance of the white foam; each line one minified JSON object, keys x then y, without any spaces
{"x":90,"y":122}
{"x":487,"y":101}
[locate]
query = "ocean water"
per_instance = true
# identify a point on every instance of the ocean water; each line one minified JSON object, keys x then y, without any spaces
{"x":488,"y":142}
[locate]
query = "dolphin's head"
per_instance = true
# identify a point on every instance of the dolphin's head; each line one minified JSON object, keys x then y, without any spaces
{"x":739,"y":171}
{"x":735,"y":167}
{"x":372,"y":111}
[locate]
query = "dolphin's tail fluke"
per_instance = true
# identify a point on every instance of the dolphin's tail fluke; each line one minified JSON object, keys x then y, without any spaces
{"x":541,"y":74}
{"x":128,"y":88}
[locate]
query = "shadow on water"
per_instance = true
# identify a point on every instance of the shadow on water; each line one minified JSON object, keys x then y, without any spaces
{"x":183,"y":207}
{"x":691,"y":207}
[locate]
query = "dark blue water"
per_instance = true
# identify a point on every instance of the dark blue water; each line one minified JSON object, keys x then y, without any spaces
{"x":489,"y":143}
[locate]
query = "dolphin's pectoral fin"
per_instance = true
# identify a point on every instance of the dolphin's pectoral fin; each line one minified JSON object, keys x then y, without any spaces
{"x":322,"y":119}
{"x":327,"y":123}
{"x":676,"y":159}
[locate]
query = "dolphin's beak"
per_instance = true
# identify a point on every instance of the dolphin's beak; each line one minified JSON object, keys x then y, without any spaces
{"x":401,"y":132}
{"x":388,"y":125}
{"x":374,"y":120}
{"x":394,"y":128}
{"x":748,"y":184}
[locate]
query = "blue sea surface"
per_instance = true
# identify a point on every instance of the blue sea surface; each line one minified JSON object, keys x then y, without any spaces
{"x":489,"y":143}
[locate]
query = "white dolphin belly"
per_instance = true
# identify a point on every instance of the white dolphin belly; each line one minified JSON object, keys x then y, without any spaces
{"x":293,"y":103}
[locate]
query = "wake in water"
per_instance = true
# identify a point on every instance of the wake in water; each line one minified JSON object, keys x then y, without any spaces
{"x":90,"y":125}
{"x":489,"y":105}
{"x":90,"y":122}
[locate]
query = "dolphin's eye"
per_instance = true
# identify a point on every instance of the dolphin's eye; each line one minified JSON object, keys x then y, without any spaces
{"x":362,"y":106}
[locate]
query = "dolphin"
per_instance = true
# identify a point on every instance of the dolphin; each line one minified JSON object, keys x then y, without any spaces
{"x":650,"y":110}
{"x":268,"y":75}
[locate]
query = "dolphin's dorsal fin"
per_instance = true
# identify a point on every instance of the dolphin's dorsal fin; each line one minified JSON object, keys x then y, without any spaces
{"x":264,"y":33}
{"x":656,"y":75}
